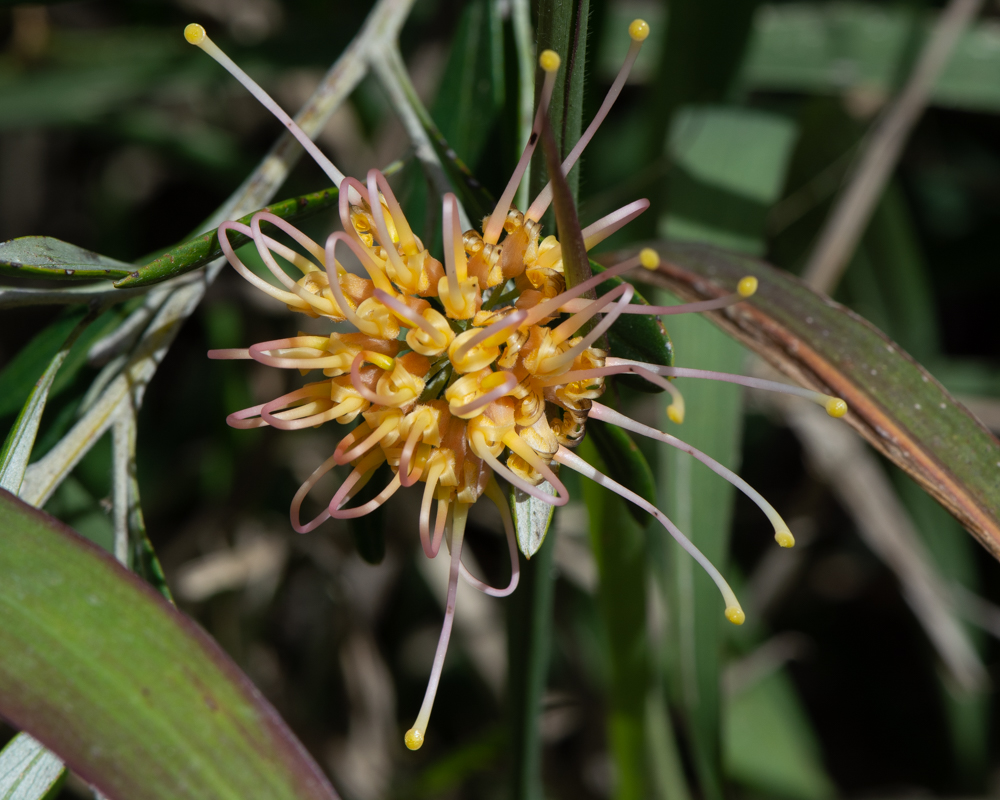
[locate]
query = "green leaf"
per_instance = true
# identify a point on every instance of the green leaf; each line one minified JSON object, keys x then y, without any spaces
{"x":529,"y":637}
{"x":135,"y":697}
{"x":894,"y":402}
{"x":701,"y":505}
{"x":198,"y":251}
{"x":18,"y":378}
{"x":532,"y":518}
{"x":530,"y":622}
{"x":16,"y":451}
{"x":836,"y":47}
{"x":619,"y":549}
{"x":626,"y":463}
{"x":728,"y":168}
{"x":22,"y":372}
{"x":28,"y":771}
{"x":472,"y":87}
{"x":769,"y":745}
{"x":45,"y":257}
{"x":562,"y":27}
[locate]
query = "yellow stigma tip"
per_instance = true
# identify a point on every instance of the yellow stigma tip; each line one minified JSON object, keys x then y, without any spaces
{"x":638,"y":30}
{"x":195,"y":34}
{"x":836,"y":407}
{"x":747,"y":286}
{"x":784,"y":538}
{"x":549,"y":60}
{"x":675,"y":414}
{"x":649,"y":258}
{"x":414,"y":739}
{"x":735,"y":615}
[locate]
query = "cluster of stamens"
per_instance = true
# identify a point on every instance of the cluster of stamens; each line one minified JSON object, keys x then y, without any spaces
{"x":486,"y":364}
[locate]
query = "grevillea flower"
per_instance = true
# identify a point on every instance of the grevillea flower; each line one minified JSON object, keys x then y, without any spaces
{"x":460,"y":372}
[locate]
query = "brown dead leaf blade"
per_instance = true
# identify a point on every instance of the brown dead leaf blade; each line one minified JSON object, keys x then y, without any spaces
{"x":894,"y":402}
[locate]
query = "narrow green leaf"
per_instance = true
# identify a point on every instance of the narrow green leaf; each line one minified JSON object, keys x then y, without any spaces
{"x":563,"y":27}
{"x":18,"y":378}
{"x":619,"y":549}
{"x":472,"y":88}
{"x":530,"y":623}
{"x":532,"y":518}
{"x":529,"y":636}
{"x":198,"y":251}
{"x":145,"y":563}
{"x":21,"y":373}
{"x":666,"y":766}
{"x":701,"y":505}
{"x":16,"y":451}
{"x":135,"y":697}
{"x":28,"y":771}
{"x":141,"y":558}
{"x":769,"y":743}
{"x":728,"y":168}
{"x":45,"y":257}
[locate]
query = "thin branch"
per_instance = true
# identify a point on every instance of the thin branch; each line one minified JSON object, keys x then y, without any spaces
{"x":880,"y":153}
{"x":977,"y":610}
{"x":391,"y":72}
{"x":103,"y":292}
{"x":122,"y":449}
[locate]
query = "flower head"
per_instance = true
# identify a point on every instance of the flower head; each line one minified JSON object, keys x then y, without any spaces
{"x":484,"y":365}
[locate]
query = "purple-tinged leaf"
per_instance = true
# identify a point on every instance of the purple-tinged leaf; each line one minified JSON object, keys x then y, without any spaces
{"x":131,"y":694}
{"x":894,"y":402}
